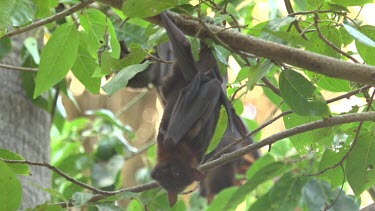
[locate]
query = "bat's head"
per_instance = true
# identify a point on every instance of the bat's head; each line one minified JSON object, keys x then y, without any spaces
{"x":175,"y":176}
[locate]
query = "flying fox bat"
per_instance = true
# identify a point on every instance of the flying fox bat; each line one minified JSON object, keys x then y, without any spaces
{"x":192,"y":96}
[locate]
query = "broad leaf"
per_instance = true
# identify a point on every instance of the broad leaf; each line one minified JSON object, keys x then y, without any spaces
{"x":5,"y":46}
{"x":359,"y":36}
{"x":334,"y":176}
{"x":221,"y":127}
{"x":360,"y":164}
{"x":110,"y":65}
{"x":301,"y":95}
{"x":353,"y":2}
{"x":317,"y":194}
{"x":146,"y":8}
{"x":221,"y":199}
{"x":284,"y":195}
{"x":367,"y":52}
{"x":122,"y":78}
{"x":32,"y":46}
{"x":11,"y":189}
{"x":101,"y":32}
{"x":85,"y":65}
{"x":328,"y":83}
{"x":268,"y":172}
{"x":319,"y":46}
{"x":16,"y":12}
{"x":16,"y":168}
{"x":310,"y":140}
{"x":80,"y":198}
{"x":57,"y":58}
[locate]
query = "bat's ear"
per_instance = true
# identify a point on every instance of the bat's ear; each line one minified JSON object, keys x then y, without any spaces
{"x":197,"y":175}
{"x":172,"y":198}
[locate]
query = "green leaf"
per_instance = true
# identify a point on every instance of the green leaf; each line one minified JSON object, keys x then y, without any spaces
{"x":44,"y":8}
{"x":32,"y":46}
{"x":55,"y":193}
{"x":221,"y":199}
{"x":334,"y":176}
{"x":328,"y":83}
{"x":272,"y":96}
{"x":360,"y":164}
{"x":80,"y":199}
{"x":338,"y":7}
{"x":352,"y":2}
{"x":282,"y":149}
{"x":284,"y":195}
{"x":303,"y":97}
{"x":259,"y":71}
{"x":132,"y":33}
{"x":16,"y":12}
{"x":367,"y":53}
{"x":358,"y":36}
{"x":319,"y":46}
{"x":121,"y":79}
{"x":268,"y":172}
{"x":160,"y":202}
{"x":310,"y":140}
{"x":57,"y":58}
{"x":98,"y":26}
{"x":259,"y":164}
{"x":105,"y":174}
{"x":316,"y":194}
{"x":11,"y":189}
{"x":220,"y":129}
{"x":110,"y":65}
{"x":16,"y":168}
{"x":5,"y":46}
{"x":85,"y":65}
{"x":146,"y":8}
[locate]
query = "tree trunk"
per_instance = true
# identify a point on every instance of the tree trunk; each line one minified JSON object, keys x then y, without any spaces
{"x":24,"y":129}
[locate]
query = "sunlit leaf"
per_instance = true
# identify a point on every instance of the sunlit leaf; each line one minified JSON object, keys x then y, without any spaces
{"x":57,"y":58}
{"x":360,"y":164}
{"x":122,"y":78}
{"x":11,"y":189}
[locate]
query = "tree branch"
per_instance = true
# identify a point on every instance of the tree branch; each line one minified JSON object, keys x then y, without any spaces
{"x":50,"y":19}
{"x":359,"y":73}
{"x":23,"y":69}
{"x":329,"y":122}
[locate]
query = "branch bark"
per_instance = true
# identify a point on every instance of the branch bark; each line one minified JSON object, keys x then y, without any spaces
{"x":330,"y":122}
{"x":359,"y":73}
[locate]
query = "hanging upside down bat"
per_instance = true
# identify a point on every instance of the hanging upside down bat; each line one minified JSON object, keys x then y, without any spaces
{"x":192,"y":96}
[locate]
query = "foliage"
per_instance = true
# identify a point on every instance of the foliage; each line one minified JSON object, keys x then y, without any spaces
{"x":340,"y":158}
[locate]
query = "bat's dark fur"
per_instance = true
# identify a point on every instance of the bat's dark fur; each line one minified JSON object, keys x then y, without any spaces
{"x":192,"y":96}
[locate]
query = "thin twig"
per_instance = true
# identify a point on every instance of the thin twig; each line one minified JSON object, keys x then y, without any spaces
{"x":135,"y":100}
{"x":329,"y":122}
{"x":317,"y":11}
{"x":97,"y":197}
{"x":23,"y":69}
{"x":289,"y":9}
{"x":58,"y":171}
{"x":322,"y":37}
{"x":141,"y":150}
{"x":237,"y":141}
{"x":50,"y":19}
{"x":271,"y":86}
